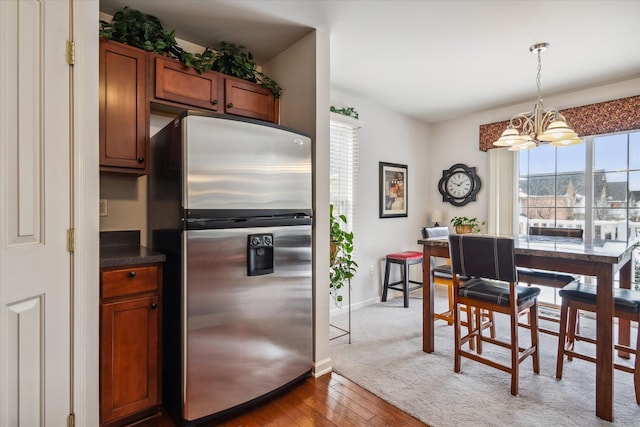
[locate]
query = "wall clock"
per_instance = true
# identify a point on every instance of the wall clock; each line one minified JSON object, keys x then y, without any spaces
{"x":459,"y":184}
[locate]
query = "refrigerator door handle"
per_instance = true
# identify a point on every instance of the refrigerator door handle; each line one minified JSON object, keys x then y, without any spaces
{"x":259,"y":254}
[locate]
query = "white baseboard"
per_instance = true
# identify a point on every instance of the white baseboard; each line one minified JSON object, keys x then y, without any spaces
{"x":345,"y":307}
{"x":322,"y":367}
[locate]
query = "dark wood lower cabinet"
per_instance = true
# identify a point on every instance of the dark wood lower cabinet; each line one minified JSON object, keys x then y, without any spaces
{"x":130,"y":381}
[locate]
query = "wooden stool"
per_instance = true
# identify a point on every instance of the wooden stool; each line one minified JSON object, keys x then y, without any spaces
{"x":579,"y":296}
{"x":404,"y":259}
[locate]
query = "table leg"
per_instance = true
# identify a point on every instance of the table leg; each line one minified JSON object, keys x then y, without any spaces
{"x":624,"y":326}
{"x":428,"y":330}
{"x":604,"y":346}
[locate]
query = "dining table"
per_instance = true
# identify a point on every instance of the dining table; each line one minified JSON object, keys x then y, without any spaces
{"x":601,"y":259}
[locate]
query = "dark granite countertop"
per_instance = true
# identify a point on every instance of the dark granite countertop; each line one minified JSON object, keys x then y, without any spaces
{"x":606,"y":251}
{"x":122,"y":248}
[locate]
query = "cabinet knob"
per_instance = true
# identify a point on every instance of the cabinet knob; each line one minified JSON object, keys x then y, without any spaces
{"x":214,"y":102}
{"x":154,"y":306}
{"x":132,"y":274}
{"x":230,"y":105}
{"x":140,"y":159}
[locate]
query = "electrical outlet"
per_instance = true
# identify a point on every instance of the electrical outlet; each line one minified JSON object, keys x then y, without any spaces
{"x":103,"y":207}
{"x":371,"y":270}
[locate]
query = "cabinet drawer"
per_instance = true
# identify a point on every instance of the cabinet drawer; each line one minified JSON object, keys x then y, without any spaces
{"x":129,"y":281}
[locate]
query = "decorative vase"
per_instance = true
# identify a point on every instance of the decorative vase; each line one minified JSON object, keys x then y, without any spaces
{"x":463,"y":229}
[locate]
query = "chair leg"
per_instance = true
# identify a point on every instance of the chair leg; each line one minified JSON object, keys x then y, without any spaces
{"x":535,"y":337}
{"x":385,"y":286}
{"x":636,"y":370}
{"x":450,"y":290}
{"x":562,"y":338}
{"x":477,"y":312}
{"x":469,"y":314}
{"x":405,"y":283}
{"x":492,"y":327}
{"x":572,"y":314}
{"x":515,"y":354}
{"x":456,"y":338}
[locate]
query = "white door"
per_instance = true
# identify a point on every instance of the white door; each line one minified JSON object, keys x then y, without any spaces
{"x":35,"y":265}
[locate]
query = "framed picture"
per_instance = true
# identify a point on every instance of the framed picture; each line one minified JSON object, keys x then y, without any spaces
{"x":393,"y":190}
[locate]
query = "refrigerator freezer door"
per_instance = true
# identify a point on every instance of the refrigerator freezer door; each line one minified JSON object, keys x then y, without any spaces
{"x":245,"y":336}
{"x":231,"y":164}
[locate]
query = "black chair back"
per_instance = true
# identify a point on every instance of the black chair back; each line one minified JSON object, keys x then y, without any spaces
{"x":431,"y":232}
{"x":483,"y":256}
{"x":556,"y":232}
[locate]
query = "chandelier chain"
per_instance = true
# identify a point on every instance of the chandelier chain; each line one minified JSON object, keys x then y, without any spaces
{"x":538,"y":76}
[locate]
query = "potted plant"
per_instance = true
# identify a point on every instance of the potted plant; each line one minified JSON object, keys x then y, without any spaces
{"x":462,"y":224}
{"x":132,"y":27}
{"x":237,"y":61}
{"x":342,"y":267}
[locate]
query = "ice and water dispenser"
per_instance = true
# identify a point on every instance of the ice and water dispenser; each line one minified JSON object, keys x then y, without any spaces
{"x":259,"y":254}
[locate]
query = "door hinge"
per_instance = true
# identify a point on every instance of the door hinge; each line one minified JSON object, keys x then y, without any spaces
{"x":71,"y":240}
{"x":71,"y":52}
{"x":71,"y":420}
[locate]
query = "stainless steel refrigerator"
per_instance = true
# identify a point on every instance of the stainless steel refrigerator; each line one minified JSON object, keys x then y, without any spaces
{"x":230,"y":206}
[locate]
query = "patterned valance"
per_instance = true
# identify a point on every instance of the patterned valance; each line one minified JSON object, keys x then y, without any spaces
{"x":594,"y":119}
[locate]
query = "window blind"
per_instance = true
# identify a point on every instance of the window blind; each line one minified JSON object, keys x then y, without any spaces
{"x":343,"y":165}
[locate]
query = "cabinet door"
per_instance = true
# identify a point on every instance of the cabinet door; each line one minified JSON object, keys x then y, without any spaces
{"x":124,"y":108}
{"x":249,"y":100}
{"x":129,"y":357}
{"x":175,"y":82}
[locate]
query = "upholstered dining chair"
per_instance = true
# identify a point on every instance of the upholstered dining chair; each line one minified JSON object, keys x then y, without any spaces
{"x":547,"y":278}
{"x":441,"y":275}
{"x":579,"y":296}
{"x":441,"y":272}
{"x":489,"y":262}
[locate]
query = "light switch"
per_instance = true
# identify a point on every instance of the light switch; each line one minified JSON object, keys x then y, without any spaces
{"x":103,"y":207}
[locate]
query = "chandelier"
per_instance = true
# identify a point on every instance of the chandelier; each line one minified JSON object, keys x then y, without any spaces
{"x":542,"y":125}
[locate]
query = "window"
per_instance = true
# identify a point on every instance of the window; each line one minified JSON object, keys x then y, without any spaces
{"x":594,"y":186}
{"x":616,"y":186}
{"x":343,"y":165}
{"x":552,"y":187}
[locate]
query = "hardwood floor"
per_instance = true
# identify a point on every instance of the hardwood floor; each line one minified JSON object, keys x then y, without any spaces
{"x":330,"y":400}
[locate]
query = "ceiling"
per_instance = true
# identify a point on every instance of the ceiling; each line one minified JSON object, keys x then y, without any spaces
{"x":431,"y":60}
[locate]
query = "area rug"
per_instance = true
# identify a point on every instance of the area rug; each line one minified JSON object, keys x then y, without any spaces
{"x":385,"y":357}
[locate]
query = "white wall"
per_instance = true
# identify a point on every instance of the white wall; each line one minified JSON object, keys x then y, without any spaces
{"x":457,"y":141}
{"x":427,"y":150}
{"x":386,"y":137}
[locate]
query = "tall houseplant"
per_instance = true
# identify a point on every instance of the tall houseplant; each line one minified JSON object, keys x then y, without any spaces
{"x":342,"y":267}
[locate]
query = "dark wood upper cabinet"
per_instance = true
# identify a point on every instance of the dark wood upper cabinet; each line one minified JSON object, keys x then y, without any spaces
{"x":124,"y":109}
{"x":179,"y":86}
{"x":248,"y":99}
{"x":175,"y":82}
{"x":131,"y":80}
